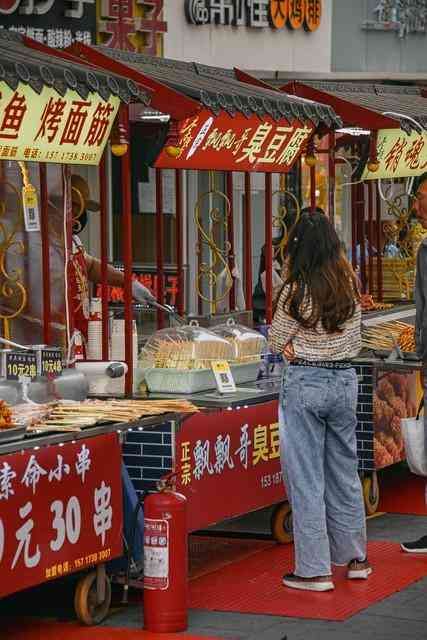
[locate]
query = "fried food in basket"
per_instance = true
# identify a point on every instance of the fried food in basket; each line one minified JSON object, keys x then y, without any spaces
{"x":5,"y":416}
{"x":407,"y":339}
{"x":393,"y":400}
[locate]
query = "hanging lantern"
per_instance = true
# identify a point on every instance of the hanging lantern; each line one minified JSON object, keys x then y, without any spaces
{"x":373,"y":164}
{"x":172,"y":147}
{"x":119,"y":140}
{"x":310,"y":155}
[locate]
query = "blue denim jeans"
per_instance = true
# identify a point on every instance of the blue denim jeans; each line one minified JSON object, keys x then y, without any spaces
{"x":317,"y":418}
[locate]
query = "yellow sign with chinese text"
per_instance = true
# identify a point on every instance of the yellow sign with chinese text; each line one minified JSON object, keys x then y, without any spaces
{"x":399,"y":155}
{"x":48,"y":127}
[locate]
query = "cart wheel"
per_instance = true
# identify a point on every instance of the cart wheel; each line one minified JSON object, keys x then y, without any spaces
{"x":281,"y":523}
{"x":88,"y":610}
{"x":371,"y":493}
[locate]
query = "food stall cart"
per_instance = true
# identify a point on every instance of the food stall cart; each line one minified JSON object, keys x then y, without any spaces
{"x":381,"y":146}
{"x":53,"y":113}
{"x":233,"y":125}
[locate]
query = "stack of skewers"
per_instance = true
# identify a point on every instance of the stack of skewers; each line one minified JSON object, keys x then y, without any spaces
{"x":386,"y":335}
{"x":76,"y":416}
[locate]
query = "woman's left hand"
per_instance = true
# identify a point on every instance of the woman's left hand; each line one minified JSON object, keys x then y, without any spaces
{"x":289,"y":352}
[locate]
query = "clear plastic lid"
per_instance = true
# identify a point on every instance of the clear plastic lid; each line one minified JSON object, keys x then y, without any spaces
{"x":248,"y":345}
{"x":186,"y":347}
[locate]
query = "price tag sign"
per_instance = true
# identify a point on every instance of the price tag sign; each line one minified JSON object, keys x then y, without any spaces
{"x":223,"y":376}
{"x":21,"y":365}
{"x":51,"y":362}
{"x":31,"y":209}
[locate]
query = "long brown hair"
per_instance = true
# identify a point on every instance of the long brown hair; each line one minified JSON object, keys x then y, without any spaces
{"x":318,"y":272}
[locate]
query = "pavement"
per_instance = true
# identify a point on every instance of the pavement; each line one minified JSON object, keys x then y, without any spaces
{"x":403,"y":616}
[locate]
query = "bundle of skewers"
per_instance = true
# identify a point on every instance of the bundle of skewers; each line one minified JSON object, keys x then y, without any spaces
{"x":180,"y":352}
{"x":385,"y":336}
{"x":76,"y":416}
{"x":368,"y":304}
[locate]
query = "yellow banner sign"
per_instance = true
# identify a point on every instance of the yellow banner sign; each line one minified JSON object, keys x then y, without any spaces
{"x":399,"y":155}
{"x":48,"y":127}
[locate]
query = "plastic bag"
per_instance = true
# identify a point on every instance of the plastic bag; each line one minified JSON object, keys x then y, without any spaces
{"x":413,"y":432}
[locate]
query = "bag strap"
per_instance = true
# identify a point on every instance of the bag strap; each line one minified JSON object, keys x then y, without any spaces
{"x":420,"y":407}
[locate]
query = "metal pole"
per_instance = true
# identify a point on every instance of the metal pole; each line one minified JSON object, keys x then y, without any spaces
{"x":354,"y":226}
{"x":127,"y":253}
{"x":362,"y":234}
{"x":247,"y":242}
{"x":313,"y":188}
{"x":331,"y":158}
{"x":370,"y":238}
{"x":104,"y":257}
{"x":159,"y":246}
{"x":44,"y":226}
{"x":230,"y":227}
{"x":179,"y":241}
{"x":268,"y":248}
{"x":379,"y":252}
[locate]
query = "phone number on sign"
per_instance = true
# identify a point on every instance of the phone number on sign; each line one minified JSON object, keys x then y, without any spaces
{"x":92,"y":558}
{"x":271,"y":479}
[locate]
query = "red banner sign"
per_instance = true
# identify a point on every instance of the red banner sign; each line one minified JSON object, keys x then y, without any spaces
{"x":60,"y":511}
{"x":226,"y":143}
{"x":228,"y":463}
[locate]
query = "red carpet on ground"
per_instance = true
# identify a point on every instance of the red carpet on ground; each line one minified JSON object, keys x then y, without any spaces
{"x":208,"y":553}
{"x":253,"y":585}
{"x":36,"y":630}
{"x":402,"y":492}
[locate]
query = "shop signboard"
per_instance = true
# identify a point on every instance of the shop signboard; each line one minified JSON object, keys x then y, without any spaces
{"x":48,"y":127}
{"x":237,"y":143}
{"x":60,"y":511}
{"x":256,"y":14}
{"x":57,"y":23}
{"x":132,"y":25}
{"x":237,"y":455}
{"x":399,"y":155}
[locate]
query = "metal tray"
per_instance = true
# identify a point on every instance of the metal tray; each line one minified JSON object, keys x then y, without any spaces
{"x":12,"y":434}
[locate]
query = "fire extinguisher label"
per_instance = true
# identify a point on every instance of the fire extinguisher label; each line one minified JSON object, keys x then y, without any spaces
{"x":156,"y":554}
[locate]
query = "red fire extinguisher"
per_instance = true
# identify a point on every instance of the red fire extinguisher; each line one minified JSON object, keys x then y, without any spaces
{"x":165,"y":562}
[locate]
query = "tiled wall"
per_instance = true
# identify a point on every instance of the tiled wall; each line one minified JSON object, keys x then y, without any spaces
{"x":148,"y":455}
{"x":365,"y":426}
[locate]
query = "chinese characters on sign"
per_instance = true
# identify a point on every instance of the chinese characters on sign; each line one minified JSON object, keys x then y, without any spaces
{"x":151,"y":281}
{"x":238,"y":144}
{"x":46,"y":127}
{"x":400,"y":155}
{"x":256,"y":13}
{"x":207,"y":457}
{"x":238,"y":448}
{"x":69,"y":20}
{"x":402,"y":16}
{"x":45,"y":497}
{"x":132,"y":25}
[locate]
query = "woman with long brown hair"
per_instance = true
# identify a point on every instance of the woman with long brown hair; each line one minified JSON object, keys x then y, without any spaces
{"x":317,"y":326}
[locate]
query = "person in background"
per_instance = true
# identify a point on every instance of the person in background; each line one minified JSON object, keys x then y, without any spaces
{"x":258,"y":299}
{"x":420,"y":209}
{"x":317,"y":325}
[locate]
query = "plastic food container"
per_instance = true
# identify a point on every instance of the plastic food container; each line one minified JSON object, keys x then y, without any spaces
{"x":178,"y":360}
{"x":249,"y":346}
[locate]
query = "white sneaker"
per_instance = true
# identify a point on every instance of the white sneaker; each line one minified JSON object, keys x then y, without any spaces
{"x":359,"y":570}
